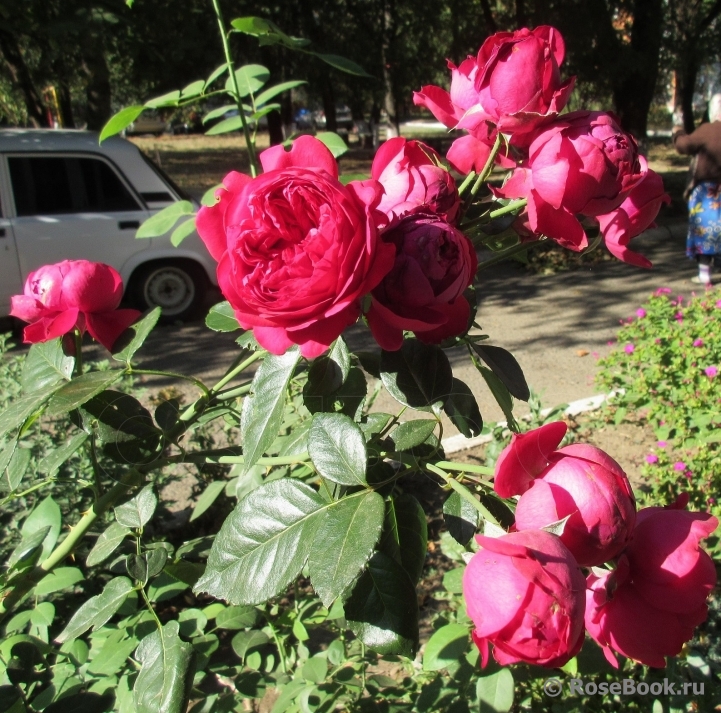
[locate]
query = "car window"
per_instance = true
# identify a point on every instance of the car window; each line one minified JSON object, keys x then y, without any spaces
{"x":47,"y":185}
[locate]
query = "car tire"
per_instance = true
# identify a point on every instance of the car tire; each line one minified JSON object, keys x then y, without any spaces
{"x":178,"y":287}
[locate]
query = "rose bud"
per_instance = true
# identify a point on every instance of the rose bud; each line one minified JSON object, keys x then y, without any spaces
{"x":633,"y":216}
{"x":525,"y":594}
{"x":296,"y":249}
{"x":412,"y":176}
{"x":579,"y":482}
{"x":73,"y":294}
{"x":583,"y":163}
{"x":423,"y":293}
{"x":649,"y":606}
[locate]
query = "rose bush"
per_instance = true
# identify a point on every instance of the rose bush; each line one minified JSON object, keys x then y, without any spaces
{"x":525,"y":595}
{"x":73,"y":294}
{"x":296,"y":249}
{"x":423,"y":292}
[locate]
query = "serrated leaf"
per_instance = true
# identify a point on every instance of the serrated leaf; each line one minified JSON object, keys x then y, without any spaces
{"x":406,"y":534}
{"x":46,"y":365}
{"x":271,"y":92}
{"x":237,"y":618}
{"x":59,"y":579}
{"x":337,"y":449}
{"x":462,"y":408}
{"x":344,"y":542}
{"x":121,"y":120}
{"x":245,"y":641}
{"x":505,"y":366}
{"x":221,"y":318}
{"x":209,"y":496}
{"x":138,"y":510}
{"x":333,"y":142}
{"x":53,"y":460}
{"x":81,"y":389}
{"x":412,"y":433}
{"x":382,"y":611}
{"x":273,"y":524}
{"x":500,"y":393}
{"x":29,"y":546}
{"x":21,"y":408}
{"x":134,"y":336}
{"x":166,"y":673}
{"x":146,"y":565}
{"x":13,"y":467}
{"x":45,"y":514}
{"x":344,"y":65}
{"x":180,"y":233}
{"x":445,"y":647}
{"x":461,"y":518}
{"x":417,"y":375}
{"x":250,"y":78}
{"x":326,"y":375}
{"x":97,"y":610}
{"x":162,"y":221}
{"x":107,"y":543}
{"x":262,"y":412}
{"x":375,"y":423}
{"x":495,"y":691}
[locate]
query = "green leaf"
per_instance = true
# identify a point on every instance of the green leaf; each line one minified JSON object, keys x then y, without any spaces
{"x":138,"y":510}
{"x":45,"y":514}
{"x":46,"y":365}
{"x":218,"y":111}
{"x":250,"y":77}
{"x":417,"y":375}
{"x":107,"y":543}
{"x":218,"y":72}
{"x":325,"y":376}
{"x":337,"y":449}
{"x":406,"y":534}
{"x":185,"y":229}
{"x":462,"y":408}
{"x":237,"y":618}
{"x":120,"y":121}
{"x":169,"y":99}
{"x":343,"y":64}
{"x":333,"y":142}
{"x":113,"y":653}
{"x":88,"y":702}
{"x":81,"y":389}
{"x":134,"y":336}
{"x":21,"y":408}
{"x":445,"y":647}
{"x":59,"y":579}
{"x":187,"y":572}
{"x":461,"y":518}
{"x":14,"y":463}
{"x":162,"y":221}
{"x":232,"y":123}
{"x":245,"y":641}
{"x":453,"y":580}
{"x":382,"y":611}
{"x":53,"y":460}
{"x":146,"y":565}
{"x":193,"y":89}
{"x":221,"y":318}
{"x":274,"y":523}
{"x":272,"y":92}
{"x":344,"y":542}
{"x":209,"y":496}
{"x":267,"y":32}
{"x":495,"y":691}
{"x":166,"y":673}
{"x":500,"y":393}
{"x":504,"y":365}
{"x":97,"y":610}
{"x":412,"y":433}
{"x":347,"y":178}
{"x":43,"y":614}
{"x":28,"y":547}
{"x":262,"y":413}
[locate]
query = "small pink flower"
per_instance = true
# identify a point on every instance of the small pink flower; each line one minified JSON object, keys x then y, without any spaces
{"x":678,"y":316}
{"x":711,"y":501}
{"x":640,"y":312}
{"x":679,"y":465}
{"x":595,"y":355}
{"x":688,"y":474}
{"x":610,"y":343}
{"x":629,"y":349}
{"x":698,"y":342}
{"x":665,"y":291}
{"x":718,"y":303}
{"x":661,"y":444}
{"x":657,"y":341}
{"x":651,"y":458}
{"x":710,"y":371}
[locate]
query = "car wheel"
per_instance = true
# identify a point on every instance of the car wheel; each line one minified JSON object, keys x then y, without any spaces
{"x":178,"y":287}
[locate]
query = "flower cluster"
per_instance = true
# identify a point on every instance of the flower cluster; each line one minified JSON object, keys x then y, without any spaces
{"x":525,"y":590}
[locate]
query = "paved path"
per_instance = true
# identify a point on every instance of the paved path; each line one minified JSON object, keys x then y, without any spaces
{"x":544,"y":320}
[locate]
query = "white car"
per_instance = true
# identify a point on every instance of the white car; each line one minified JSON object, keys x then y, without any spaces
{"x":63,"y":196}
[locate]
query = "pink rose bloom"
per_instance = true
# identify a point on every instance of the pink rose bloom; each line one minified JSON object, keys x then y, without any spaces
{"x":73,"y":294}
{"x":296,"y":249}
{"x":718,"y":303}
{"x":710,"y":371}
{"x":651,"y":458}
{"x":629,"y":349}
{"x":423,"y":292}
{"x":525,"y":594}
{"x":583,"y":163}
{"x":698,"y":342}
{"x":649,"y":606}
{"x":640,"y":312}
{"x":679,"y":465}
{"x":579,"y":482}
{"x":661,"y":444}
{"x":633,"y":216}
{"x":412,"y":176}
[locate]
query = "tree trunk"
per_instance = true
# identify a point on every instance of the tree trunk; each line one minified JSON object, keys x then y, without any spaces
{"x":97,"y":86}
{"x":66,"y":106}
{"x":275,"y":128}
{"x":686,"y":91}
{"x":328,"y":95}
{"x":21,"y":78}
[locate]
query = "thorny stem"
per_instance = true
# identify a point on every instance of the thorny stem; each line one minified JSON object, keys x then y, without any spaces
{"x":483,"y":175}
{"x":465,"y":467}
{"x":466,"y":182}
{"x":237,"y":369}
{"x":150,"y":608}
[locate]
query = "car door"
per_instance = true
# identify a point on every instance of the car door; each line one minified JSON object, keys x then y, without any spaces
{"x":11,"y":282}
{"x":71,"y":207}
